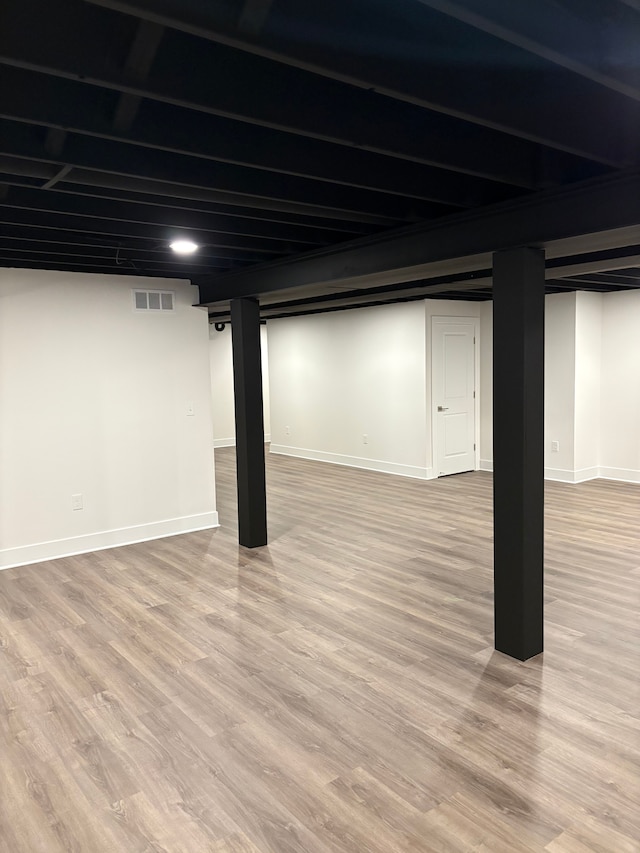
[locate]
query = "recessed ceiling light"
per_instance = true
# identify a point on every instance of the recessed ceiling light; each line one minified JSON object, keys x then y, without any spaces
{"x":183,"y":247}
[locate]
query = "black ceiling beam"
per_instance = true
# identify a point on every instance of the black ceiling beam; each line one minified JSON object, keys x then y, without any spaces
{"x":55,"y":102}
{"x":169,"y":218}
{"x":630,"y":273}
{"x":272,"y":209}
{"x":618,"y":259}
{"x":507,"y":89}
{"x":600,"y":205}
{"x":603,"y":278}
{"x":477,"y":285}
{"x":567,"y":284}
{"x":75,"y":260}
{"x":313,"y":107}
{"x":272,"y":312}
{"x":19,"y":167}
{"x":560,"y":33}
{"x":557,"y":286}
{"x":95,"y":268}
{"x":29,"y":248}
{"x":34,"y":235}
{"x":334,"y":302}
{"x":479,"y":280}
{"x":91,"y":182}
{"x":157,"y":234}
{"x":242,"y":184}
{"x":466,"y":295}
{"x":330,"y":226}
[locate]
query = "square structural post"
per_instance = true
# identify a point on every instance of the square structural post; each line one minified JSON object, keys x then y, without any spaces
{"x":518,"y":450}
{"x":247,"y":384}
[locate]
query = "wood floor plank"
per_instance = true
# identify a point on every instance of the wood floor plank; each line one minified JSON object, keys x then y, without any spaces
{"x":334,"y":692}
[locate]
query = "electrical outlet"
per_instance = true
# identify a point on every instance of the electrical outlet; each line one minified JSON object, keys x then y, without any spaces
{"x":287,"y":430}
{"x":555,"y":446}
{"x":190,"y":410}
{"x":365,"y":439}
{"x":76,"y":502}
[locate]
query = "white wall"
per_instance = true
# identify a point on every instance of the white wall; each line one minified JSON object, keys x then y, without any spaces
{"x":620,"y":398}
{"x":339,"y":376}
{"x":266,"y":390}
{"x":588,"y":325}
{"x":94,"y":401}
{"x":559,"y":384}
{"x":221,"y":357}
{"x":559,"y":391}
{"x":592,"y":386}
{"x":560,"y":335}
{"x":224,"y":429}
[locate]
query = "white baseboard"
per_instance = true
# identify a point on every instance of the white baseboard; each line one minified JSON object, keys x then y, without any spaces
{"x":564,"y":475}
{"x":57,"y":548}
{"x":231,"y":442}
{"x":354,"y":462}
{"x":224,"y":442}
{"x":580,"y":475}
{"x":625,"y":475}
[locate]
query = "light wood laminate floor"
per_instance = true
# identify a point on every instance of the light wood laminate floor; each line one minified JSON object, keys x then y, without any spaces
{"x":336,"y":691}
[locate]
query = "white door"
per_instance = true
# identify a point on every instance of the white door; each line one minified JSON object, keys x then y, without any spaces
{"x":453,"y":395}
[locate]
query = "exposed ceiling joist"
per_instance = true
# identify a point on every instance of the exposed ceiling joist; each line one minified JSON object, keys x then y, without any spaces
{"x":235,"y":205}
{"x":124,"y":259}
{"x":560,"y":33}
{"x":23,"y":198}
{"x":52,"y":102}
{"x":263,"y":129}
{"x":317,"y":106}
{"x":618,"y":259}
{"x":330,"y":227}
{"x":113,"y":254}
{"x":123,"y":230}
{"x":95,"y":268}
{"x":18,"y":235}
{"x":423,"y":80}
{"x":605,"y":280}
{"x":230,"y":182}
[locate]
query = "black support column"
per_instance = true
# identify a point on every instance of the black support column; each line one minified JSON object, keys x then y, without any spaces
{"x":247,"y":377}
{"x":518,"y":450}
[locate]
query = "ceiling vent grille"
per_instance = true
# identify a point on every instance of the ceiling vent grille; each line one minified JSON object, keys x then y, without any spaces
{"x":153,"y":300}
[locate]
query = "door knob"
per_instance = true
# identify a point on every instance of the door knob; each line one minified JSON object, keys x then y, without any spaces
{"x":443,"y":408}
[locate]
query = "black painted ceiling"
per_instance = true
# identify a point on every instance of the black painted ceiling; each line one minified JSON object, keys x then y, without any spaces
{"x":267,"y":128}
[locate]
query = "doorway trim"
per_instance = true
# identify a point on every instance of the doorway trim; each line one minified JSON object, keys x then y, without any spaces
{"x":473,"y":322}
